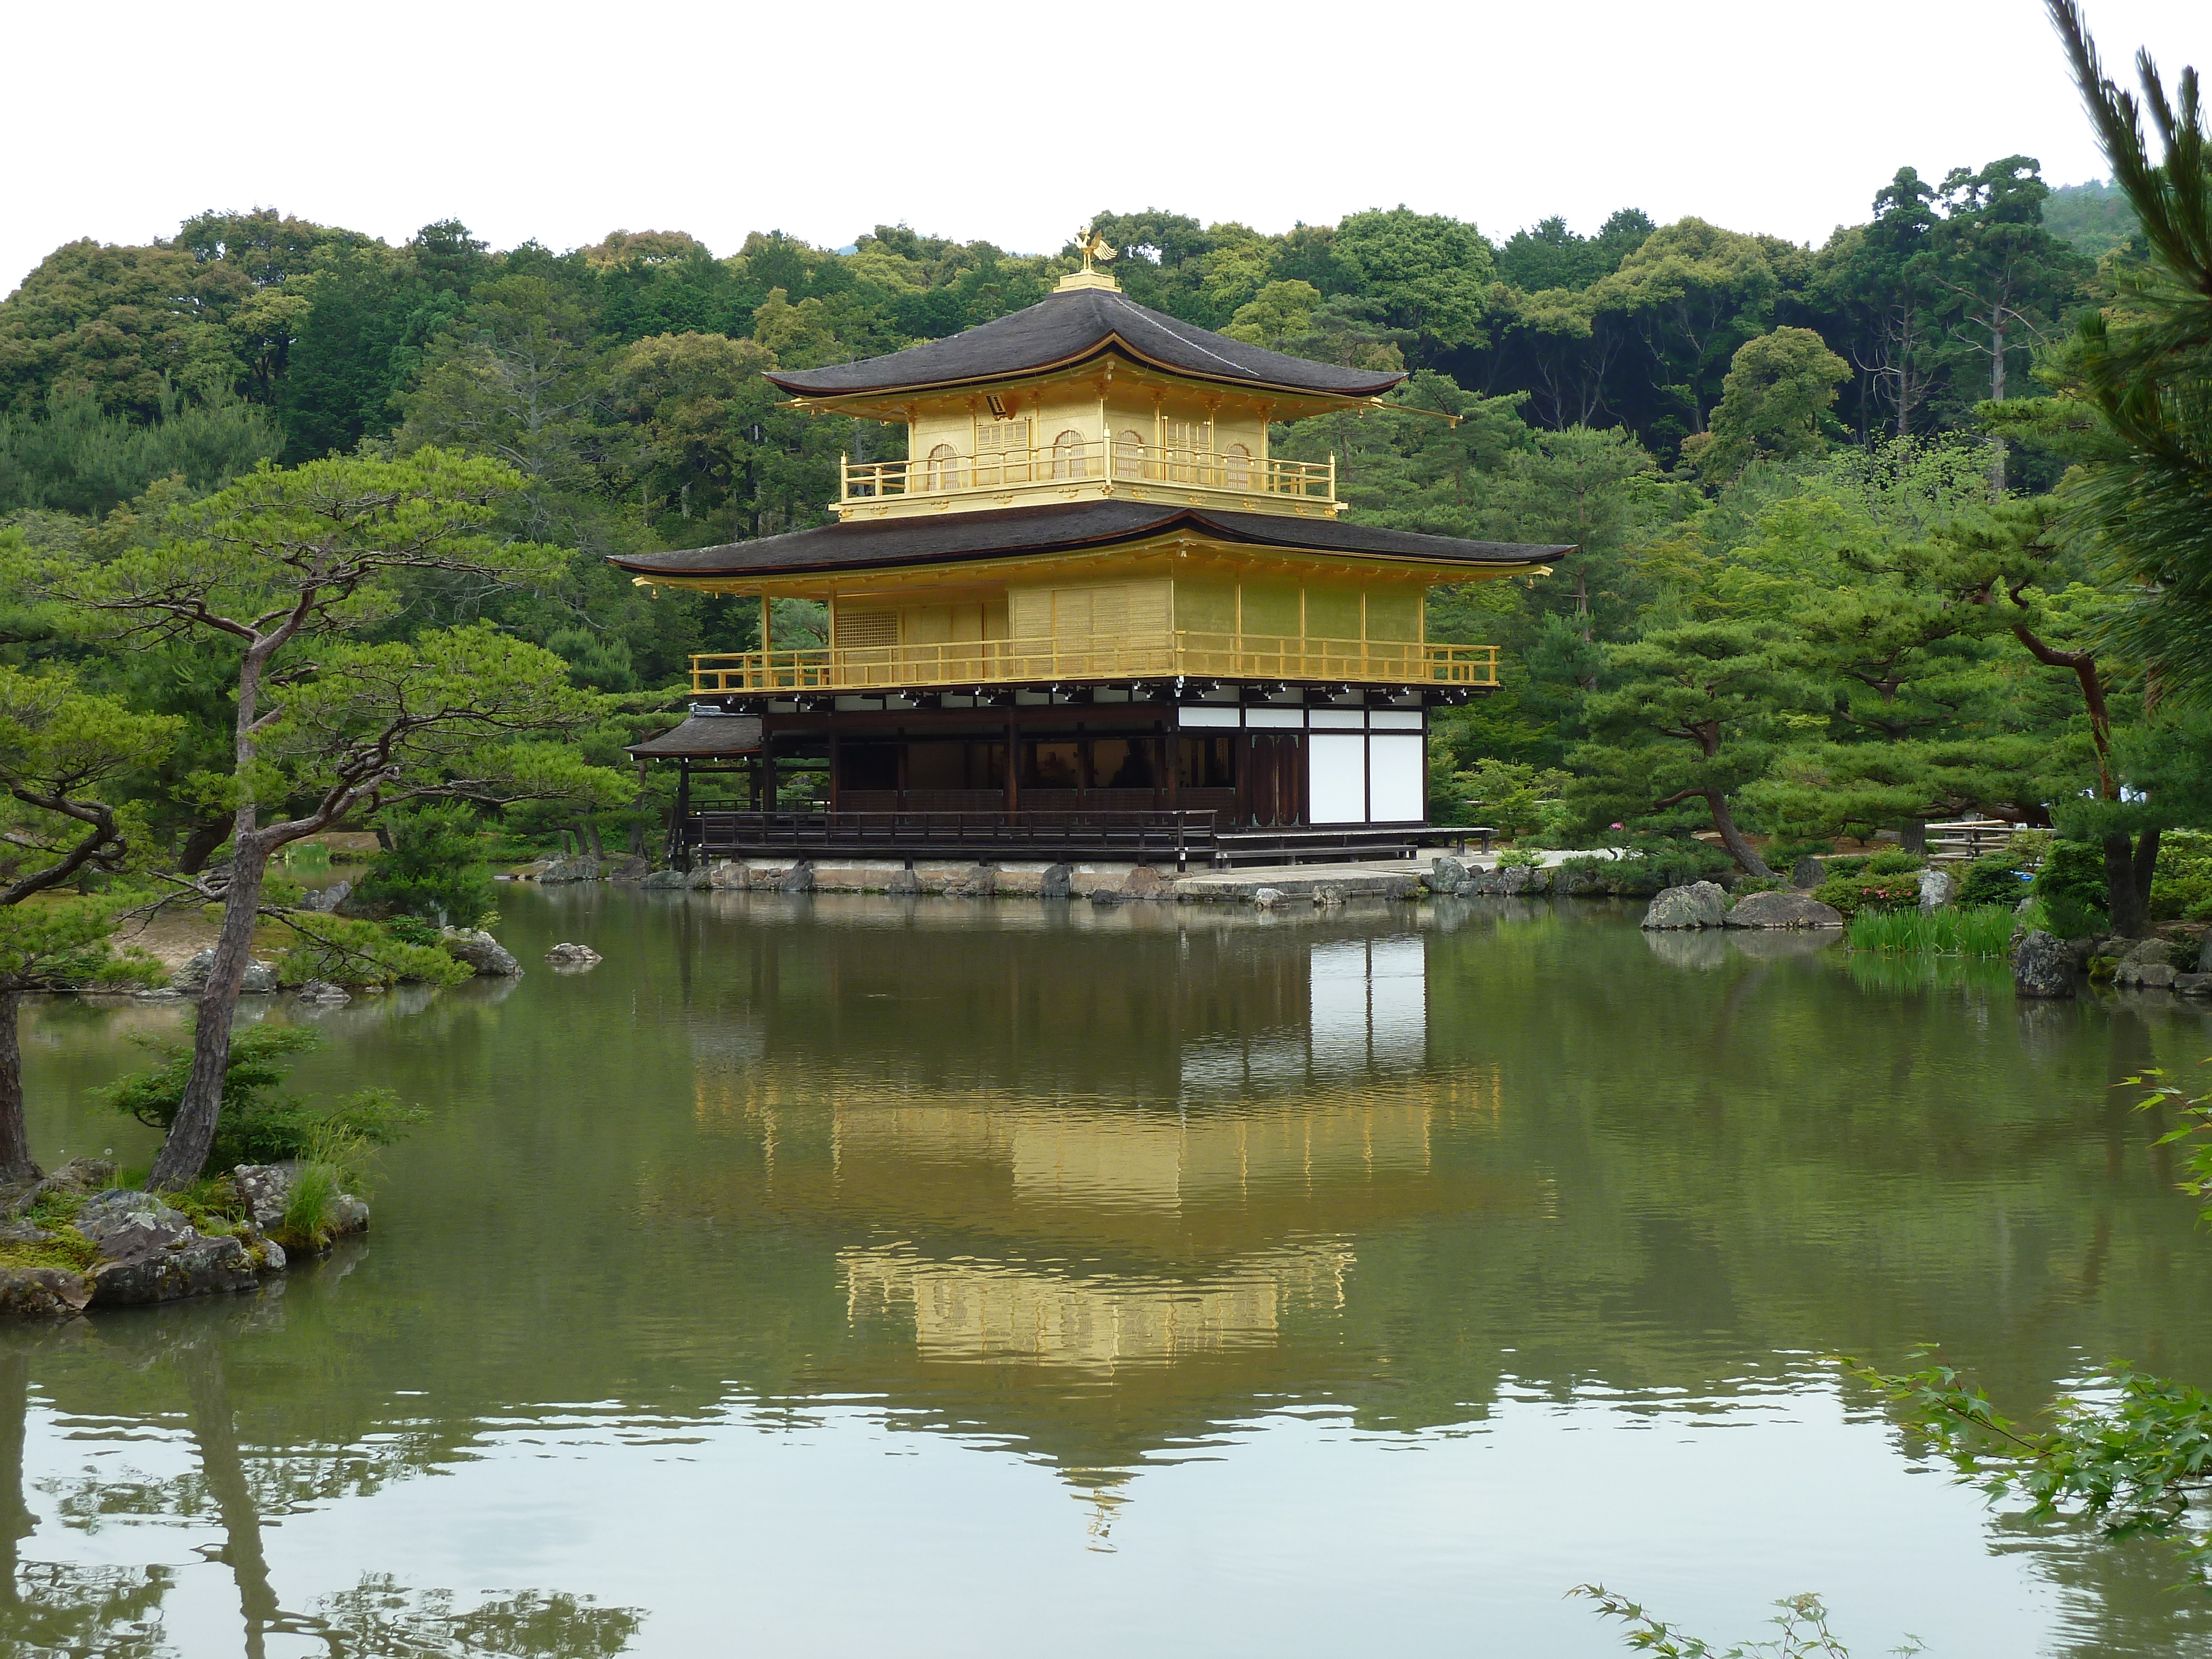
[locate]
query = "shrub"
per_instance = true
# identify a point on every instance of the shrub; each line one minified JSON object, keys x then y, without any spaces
{"x":1516,"y":859}
{"x":2181,"y":885}
{"x":434,"y":870}
{"x":1510,"y":797}
{"x":1586,"y":876}
{"x":350,"y":952}
{"x":259,"y":1123}
{"x":1781,"y":854}
{"x":1866,"y":890}
{"x":1678,"y":861}
{"x":1994,"y":878}
{"x":1895,"y":861}
{"x":2070,"y":885}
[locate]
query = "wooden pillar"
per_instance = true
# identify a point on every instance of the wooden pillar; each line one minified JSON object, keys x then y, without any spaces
{"x":683,"y":849}
{"x":1013,"y":766}
{"x":768,"y":780}
{"x":833,"y":765}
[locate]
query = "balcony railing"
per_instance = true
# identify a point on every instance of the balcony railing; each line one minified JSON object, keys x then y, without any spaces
{"x":1235,"y":473}
{"x":1045,"y":661}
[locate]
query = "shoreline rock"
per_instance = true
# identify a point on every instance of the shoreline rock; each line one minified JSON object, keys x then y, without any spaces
{"x":1788,"y":909}
{"x":1700,"y":905}
{"x":144,"y":1249}
{"x":481,"y":951}
{"x":2043,"y":965}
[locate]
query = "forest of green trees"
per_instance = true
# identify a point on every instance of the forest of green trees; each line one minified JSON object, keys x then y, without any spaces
{"x":1827,"y":480}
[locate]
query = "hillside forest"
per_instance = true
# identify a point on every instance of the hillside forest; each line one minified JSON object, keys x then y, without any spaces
{"x":1841,"y":568}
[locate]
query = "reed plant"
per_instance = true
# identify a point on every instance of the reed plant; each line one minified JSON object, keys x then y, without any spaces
{"x":333,"y":1162}
{"x":1957,"y":930}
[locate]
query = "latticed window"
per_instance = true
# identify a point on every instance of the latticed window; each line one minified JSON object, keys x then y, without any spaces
{"x":1238,"y":468}
{"x":942,"y":470}
{"x":1067,"y":456}
{"x":866,"y":629}
{"x":1128,"y":455}
{"x":1002,"y":452}
{"x":1187,"y":451}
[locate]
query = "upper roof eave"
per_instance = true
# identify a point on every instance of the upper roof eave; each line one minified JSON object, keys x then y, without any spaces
{"x":1021,"y":532}
{"x":1069,"y":328}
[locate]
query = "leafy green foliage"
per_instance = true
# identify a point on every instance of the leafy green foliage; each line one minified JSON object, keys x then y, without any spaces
{"x":2193,"y":1131}
{"x":2144,"y":366}
{"x":1995,"y":878}
{"x":1691,"y":714}
{"x":260,"y":1123}
{"x":2130,"y":1452}
{"x":1803,"y":1627}
{"x":1778,"y":388}
{"x":1511,"y":799}
{"x":435,"y":869}
{"x":1882,"y":881}
{"x":2182,"y":883}
{"x":2072,"y":889}
{"x":74,"y":457}
{"x":351,"y":951}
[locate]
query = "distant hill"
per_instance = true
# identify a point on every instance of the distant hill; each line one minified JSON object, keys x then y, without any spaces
{"x":2093,"y":216}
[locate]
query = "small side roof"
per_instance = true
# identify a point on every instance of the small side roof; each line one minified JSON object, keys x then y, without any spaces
{"x":1070,"y":328}
{"x":1008,"y":533}
{"x":703,"y":736}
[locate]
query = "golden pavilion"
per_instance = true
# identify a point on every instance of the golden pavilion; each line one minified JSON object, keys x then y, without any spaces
{"x":1089,"y":615}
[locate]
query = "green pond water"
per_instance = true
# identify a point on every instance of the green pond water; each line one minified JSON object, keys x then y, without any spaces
{"x":858,"y":1276}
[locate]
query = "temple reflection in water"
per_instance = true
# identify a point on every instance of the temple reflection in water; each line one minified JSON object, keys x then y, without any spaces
{"x":1191,"y":1203}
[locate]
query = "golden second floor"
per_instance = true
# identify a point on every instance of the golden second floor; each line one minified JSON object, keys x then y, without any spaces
{"x":1066,"y":622}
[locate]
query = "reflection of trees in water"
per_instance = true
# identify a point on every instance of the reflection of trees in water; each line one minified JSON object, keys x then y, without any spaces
{"x":56,"y":1608}
{"x":2115,"y":1600}
{"x":50,"y":1606}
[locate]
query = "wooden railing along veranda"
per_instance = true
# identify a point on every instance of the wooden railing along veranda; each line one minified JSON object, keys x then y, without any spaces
{"x":958,"y":663}
{"x":1233,"y":473}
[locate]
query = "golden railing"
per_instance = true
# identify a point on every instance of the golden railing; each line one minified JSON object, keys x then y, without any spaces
{"x":1089,"y":462}
{"x":1046,"y":660}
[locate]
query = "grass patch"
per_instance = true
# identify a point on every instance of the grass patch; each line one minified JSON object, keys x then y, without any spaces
{"x":212,"y":1204}
{"x":1960,"y":930}
{"x":67,"y":1249}
{"x":331,"y":1165}
{"x":55,"y":1209}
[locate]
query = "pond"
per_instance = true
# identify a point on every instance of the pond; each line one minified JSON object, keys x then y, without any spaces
{"x":855,"y":1275}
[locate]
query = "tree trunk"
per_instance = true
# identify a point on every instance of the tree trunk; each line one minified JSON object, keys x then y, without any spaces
{"x":200,"y":844}
{"x":16,"y":1521}
{"x":2127,"y":869}
{"x":1732,"y":838}
{"x":592,"y":832}
{"x":191,"y":1137}
{"x":15,"y":1162}
{"x":216,"y":1432}
{"x":1912,"y":835}
{"x":1996,"y":396}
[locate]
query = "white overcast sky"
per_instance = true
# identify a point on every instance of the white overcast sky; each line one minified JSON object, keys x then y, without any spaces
{"x":1014,"y":122}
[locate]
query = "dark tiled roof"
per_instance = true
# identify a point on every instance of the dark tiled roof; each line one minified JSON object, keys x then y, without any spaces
{"x":704,"y":737}
{"x":1007,"y":532}
{"x":1070,"y":328}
